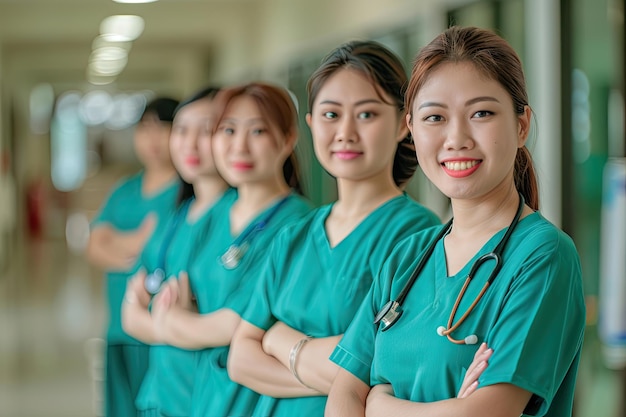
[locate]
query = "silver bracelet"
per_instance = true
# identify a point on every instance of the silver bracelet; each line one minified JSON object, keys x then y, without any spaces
{"x":293,"y":357}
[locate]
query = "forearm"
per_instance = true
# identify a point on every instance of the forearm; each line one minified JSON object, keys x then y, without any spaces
{"x":501,"y":400}
{"x":137,"y":322}
{"x":107,"y":250}
{"x":190,"y":330}
{"x":345,"y":405}
{"x":311,"y":361}
{"x":314,"y":366}
{"x":249,"y":365}
{"x":347,"y":396}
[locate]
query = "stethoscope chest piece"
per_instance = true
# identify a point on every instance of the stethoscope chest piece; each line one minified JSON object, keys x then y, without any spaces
{"x":153,"y":281}
{"x":388,"y":315}
{"x":392,"y":311}
{"x":232,"y":257}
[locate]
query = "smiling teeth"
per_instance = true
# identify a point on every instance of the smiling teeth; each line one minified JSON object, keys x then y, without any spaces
{"x":460,"y":166}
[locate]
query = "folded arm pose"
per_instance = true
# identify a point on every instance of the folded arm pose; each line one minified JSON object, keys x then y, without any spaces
{"x":112,"y":249}
{"x":127,"y":221}
{"x":319,"y":269}
{"x":167,"y":387}
{"x":178,"y":323}
{"x":252,"y":144}
{"x":497,"y":273}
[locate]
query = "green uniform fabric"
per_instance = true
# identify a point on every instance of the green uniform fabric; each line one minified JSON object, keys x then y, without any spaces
{"x":168,"y":383}
{"x":319,"y":289}
{"x":532,"y":315}
{"x":217,"y":287}
{"x":125,"y":209}
{"x":126,"y":366}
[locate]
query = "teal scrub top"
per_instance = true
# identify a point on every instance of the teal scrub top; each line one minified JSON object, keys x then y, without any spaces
{"x":125,"y":209}
{"x":320,"y":288}
{"x":218,"y":287}
{"x":532,"y":315}
{"x":168,"y":383}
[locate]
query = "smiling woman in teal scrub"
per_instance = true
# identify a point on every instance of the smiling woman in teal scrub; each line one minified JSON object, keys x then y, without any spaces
{"x":470,"y":117}
{"x":319,"y":269}
{"x":166,"y":388}
{"x":253,"y":147}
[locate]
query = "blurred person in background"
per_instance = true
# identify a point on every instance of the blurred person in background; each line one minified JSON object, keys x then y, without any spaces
{"x":167,"y":386}
{"x":319,"y":269}
{"x":253,"y":146}
{"x":136,"y":206}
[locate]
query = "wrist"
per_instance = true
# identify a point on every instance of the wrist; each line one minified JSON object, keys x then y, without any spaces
{"x":293,"y":359}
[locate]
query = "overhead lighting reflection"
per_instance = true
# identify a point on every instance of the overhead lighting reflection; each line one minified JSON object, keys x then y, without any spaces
{"x":108,"y":61}
{"x":135,"y":1}
{"x":121,"y":28}
{"x":41,"y":104}
{"x":102,"y":42}
{"x":96,"y":107}
{"x":95,"y":79}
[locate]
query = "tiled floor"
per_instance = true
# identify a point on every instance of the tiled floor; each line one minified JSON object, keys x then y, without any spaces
{"x":50,"y":306}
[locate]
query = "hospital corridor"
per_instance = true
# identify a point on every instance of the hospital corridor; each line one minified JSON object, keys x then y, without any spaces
{"x":72,"y":97}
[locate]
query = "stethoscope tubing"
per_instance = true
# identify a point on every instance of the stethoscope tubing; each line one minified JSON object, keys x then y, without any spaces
{"x":153,"y":281}
{"x":392,"y":311}
{"x":231,"y":258}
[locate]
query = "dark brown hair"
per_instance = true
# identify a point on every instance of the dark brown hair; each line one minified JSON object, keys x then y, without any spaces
{"x":497,"y":60}
{"x":186,"y":191}
{"x":386,"y":73}
{"x":279,"y":110}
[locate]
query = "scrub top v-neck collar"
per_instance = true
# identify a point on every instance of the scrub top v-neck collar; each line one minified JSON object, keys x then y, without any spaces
{"x":441,"y":268}
{"x":358,"y":229}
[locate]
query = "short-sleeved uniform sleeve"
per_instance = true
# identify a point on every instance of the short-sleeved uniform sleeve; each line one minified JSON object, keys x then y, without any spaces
{"x":355,"y":351}
{"x":317,"y":288}
{"x":540,"y":280}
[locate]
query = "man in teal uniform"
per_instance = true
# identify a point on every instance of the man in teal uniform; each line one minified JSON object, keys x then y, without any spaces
{"x":127,"y":219}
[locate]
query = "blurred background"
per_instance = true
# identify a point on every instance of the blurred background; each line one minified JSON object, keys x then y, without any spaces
{"x":73,"y":81}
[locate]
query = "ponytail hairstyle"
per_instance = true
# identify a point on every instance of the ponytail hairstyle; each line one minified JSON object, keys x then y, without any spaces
{"x":496,"y":59}
{"x":386,"y":73}
{"x":186,"y":191}
{"x":279,"y":111}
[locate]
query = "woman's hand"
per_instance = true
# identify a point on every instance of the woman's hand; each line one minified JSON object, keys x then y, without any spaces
{"x":136,"y":292}
{"x":475,"y":370}
{"x":161,"y":305}
{"x":184,"y":297}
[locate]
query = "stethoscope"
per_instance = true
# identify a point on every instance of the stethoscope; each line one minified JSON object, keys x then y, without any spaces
{"x":391,"y":312}
{"x":235,"y":252}
{"x":152,"y":282}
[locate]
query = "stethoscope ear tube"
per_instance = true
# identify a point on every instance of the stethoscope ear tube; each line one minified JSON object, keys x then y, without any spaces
{"x":392,"y":311}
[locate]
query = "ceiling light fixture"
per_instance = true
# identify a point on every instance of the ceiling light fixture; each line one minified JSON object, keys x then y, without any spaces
{"x":135,"y":1}
{"x":121,"y":28}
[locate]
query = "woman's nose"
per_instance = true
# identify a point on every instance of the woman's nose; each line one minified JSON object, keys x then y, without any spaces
{"x":346,"y":131}
{"x":458,"y":135}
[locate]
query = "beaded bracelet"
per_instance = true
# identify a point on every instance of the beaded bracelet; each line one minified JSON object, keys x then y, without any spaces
{"x":293,"y":357}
